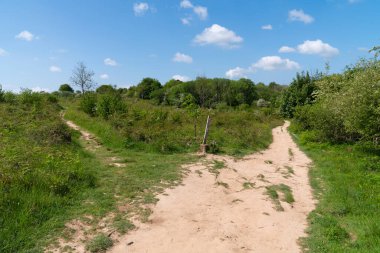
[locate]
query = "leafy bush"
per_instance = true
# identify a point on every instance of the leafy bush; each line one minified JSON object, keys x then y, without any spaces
{"x":347,"y":105}
{"x":109,"y":104}
{"x":88,"y":103}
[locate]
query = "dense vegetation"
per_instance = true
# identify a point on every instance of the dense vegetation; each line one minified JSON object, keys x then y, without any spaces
{"x":167,"y":129}
{"x":336,"y":120}
{"x":46,"y":178}
{"x":206,"y":92}
{"x":41,"y":169}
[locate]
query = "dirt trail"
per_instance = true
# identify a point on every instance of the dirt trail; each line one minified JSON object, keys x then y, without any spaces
{"x":231,"y":212}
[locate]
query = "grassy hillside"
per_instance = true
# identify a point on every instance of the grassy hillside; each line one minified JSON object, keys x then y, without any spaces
{"x":42,"y":170}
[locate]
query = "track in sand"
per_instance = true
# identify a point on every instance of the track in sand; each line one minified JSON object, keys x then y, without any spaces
{"x":231,"y":211}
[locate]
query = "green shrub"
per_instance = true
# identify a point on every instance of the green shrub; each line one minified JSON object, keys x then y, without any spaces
{"x":28,"y":97}
{"x":88,"y":104}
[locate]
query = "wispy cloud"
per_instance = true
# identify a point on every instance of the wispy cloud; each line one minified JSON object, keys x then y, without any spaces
{"x":3,"y":52}
{"x":55,"y":69}
{"x":25,"y":35}
{"x":200,"y":11}
{"x":286,"y":49}
{"x":39,"y":89}
{"x":267,"y":27}
{"x":301,"y":16}
{"x":140,"y":8}
{"x":104,"y":76}
{"x":110,"y":62}
{"x":179,"y":57}
{"x":181,"y":78}
{"x":219,"y":36}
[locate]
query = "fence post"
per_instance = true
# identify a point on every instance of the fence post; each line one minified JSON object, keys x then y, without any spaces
{"x":204,"y":142}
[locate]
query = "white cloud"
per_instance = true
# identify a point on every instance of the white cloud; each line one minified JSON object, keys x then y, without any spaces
{"x":186,"y":4}
{"x":104,"y":76}
{"x":300,"y":15}
{"x":236,"y":72}
{"x":286,"y":49}
{"x":186,"y":21}
{"x":55,"y":69}
{"x":275,"y":63}
{"x":25,"y":35}
{"x":200,"y":11}
{"x":317,"y":47}
{"x":39,"y":89}
{"x":140,"y":8}
{"x":179,"y":57}
{"x":267,"y":27}
{"x":181,"y":78}
{"x":3,"y":52}
{"x":220,"y":36}
{"x":110,"y":62}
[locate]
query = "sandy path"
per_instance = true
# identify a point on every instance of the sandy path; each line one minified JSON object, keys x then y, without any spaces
{"x":202,"y":216}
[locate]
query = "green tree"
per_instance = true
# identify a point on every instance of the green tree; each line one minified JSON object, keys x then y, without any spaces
{"x":105,"y":88}
{"x":300,"y":92}
{"x":66,"y":88}
{"x":147,"y":86}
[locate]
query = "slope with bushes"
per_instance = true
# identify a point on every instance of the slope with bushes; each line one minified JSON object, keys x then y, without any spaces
{"x":338,"y":125}
{"x":42,"y":170}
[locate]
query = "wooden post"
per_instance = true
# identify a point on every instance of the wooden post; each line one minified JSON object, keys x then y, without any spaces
{"x":204,"y":142}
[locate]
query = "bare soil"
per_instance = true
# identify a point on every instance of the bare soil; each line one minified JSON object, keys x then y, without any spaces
{"x":229,"y":210}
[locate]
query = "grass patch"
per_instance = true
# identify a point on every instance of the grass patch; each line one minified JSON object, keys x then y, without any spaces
{"x":286,"y":172}
{"x":248,"y":185}
{"x":346,"y":181}
{"x":291,"y":154}
{"x":122,"y":224}
{"x":287,"y":196}
{"x":99,"y":243}
{"x":216,"y":167}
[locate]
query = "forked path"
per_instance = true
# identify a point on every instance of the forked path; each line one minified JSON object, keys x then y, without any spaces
{"x":231,"y":211}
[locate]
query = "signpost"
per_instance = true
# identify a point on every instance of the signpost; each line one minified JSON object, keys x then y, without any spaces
{"x":204,"y":142}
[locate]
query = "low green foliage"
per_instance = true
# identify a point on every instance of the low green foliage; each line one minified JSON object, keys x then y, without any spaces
{"x":99,"y":243}
{"x":122,"y":224}
{"x":248,"y":185}
{"x":346,"y":181}
{"x":287,"y":195}
{"x":42,"y":171}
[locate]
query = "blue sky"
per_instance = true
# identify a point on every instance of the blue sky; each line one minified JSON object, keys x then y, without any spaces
{"x":124,"y":41}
